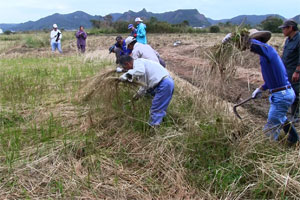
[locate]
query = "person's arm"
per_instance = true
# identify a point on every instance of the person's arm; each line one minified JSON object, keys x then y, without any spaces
{"x":259,"y":48}
{"x":78,"y":34}
{"x":138,"y":70}
{"x":60,"y":35}
{"x":52,"y":34}
{"x":296,"y":74}
{"x":135,"y":54}
{"x":84,"y":34}
{"x":141,"y":32}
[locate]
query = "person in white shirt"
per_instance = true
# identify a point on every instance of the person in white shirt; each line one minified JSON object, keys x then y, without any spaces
{"x":140,"y":50}
{"x":55,"y":39}
{"x":156,"y":78}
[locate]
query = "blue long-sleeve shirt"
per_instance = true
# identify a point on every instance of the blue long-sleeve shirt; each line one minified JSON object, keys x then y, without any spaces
{"x":272,"y":67}
{"x":141,"y":34}
{"x":124,"y":51}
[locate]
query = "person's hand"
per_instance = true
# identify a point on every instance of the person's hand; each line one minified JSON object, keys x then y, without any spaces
{"x":295,"y":77}
{"x":123,"y":77}
{"x":226,"y":38}
{"x":119,"y":70}
{"x":257,"y":93}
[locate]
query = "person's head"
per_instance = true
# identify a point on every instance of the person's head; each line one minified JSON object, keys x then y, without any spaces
{"x":81,"y":28}
{"x":289,"y":27}
{"x":130,"y":42}
{"x":262,"y":36}
{"x":138,"y":20}
{"x":130,"y":26}
{"x":55,"y":27}
{"x":126,"y":62}
{"x":119,"y":39}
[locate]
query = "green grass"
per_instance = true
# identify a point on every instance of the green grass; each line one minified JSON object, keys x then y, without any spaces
{"x":53,"y":146}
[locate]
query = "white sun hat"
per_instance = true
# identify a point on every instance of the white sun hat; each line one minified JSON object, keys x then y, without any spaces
{"x":138,"y":19}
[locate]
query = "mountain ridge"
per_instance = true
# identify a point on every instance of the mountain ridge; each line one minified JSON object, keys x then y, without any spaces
{"x":73,"y":20}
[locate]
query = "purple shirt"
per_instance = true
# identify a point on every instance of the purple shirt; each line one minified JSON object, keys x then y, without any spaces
{"x":81,"y":37}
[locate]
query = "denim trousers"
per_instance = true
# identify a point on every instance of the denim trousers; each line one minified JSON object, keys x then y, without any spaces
{"x":56,"y":45}
{"x":279,"y":105}
{"x":163,"y":95}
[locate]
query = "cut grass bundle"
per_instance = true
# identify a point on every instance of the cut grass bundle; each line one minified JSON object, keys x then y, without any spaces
{"x":224,"y":56}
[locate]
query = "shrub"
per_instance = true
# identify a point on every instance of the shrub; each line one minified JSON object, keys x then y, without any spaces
{"x":214,"y":29}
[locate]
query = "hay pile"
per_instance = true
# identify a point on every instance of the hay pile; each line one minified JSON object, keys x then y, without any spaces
{"x":107,"y":85}
{"x":225,"y":56}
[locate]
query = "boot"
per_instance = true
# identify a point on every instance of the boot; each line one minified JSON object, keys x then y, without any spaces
{"x":289,"y":128}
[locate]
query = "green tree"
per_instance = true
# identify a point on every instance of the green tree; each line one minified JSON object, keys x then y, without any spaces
{"x":271,"y":24}
{"x":214,"y":29}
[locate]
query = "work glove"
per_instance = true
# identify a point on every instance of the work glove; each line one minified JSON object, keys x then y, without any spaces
{"x":126,"y":77}
{"x":257,"y":93}
{"x":119,"y":70}
{"x":226,"y":38}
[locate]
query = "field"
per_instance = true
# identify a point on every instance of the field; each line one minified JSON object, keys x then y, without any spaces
{"x":57,"y":142}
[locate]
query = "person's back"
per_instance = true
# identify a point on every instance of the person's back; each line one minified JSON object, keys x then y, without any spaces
{"x":272,"y":67}
{"x":141,"y":31}
{"x":144,"y":51}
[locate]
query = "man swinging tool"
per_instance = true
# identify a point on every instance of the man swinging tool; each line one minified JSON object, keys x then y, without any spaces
{"x":276,"y":81}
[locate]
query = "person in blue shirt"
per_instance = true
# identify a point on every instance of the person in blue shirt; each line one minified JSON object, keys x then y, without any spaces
{"x":141,"y":36}
{"x":119,"y":48}
{"x":133,"y":30}
{"x":276,"y":81}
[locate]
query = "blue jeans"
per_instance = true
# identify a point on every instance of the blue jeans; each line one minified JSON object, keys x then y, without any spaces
{"x":161,"y":100}
{"x":279,"y":105}
{"x":56,"y":45}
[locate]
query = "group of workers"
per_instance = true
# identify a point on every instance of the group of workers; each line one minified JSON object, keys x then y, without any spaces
{"x":141,"y":62}
{"x":281,"y":78}
{"x":56,"y":36}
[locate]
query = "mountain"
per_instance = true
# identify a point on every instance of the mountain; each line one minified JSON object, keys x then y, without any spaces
{"x":64,"y":21}
{"x":297,"y":19}
{"x":252,"y":20}
{"x":5,"y":27}
{"x":175,"y":17}
{"x":116,"y":16}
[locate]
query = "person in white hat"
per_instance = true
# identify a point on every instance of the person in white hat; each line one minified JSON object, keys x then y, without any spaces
{"x":140,"y":50}
{"x":156,"y":78}
{"x":141,"y":36}
{"x":276,"y":81}
{"x":55,"y":39}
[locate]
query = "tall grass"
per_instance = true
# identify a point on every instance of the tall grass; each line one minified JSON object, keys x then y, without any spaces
{"x":55,"y":146}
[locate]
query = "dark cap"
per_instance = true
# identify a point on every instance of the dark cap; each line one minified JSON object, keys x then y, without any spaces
{"x":289,"y":22}
{"x":119,"y":38}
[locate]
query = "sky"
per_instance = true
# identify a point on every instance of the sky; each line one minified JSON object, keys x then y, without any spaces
{"x":18,"y":11}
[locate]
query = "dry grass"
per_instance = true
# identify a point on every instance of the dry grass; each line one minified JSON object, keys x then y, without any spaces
{"x":100,"y":146}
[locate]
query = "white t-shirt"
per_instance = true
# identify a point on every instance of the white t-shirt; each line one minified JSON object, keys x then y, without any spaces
{"x":53,"y":36}
{"x":148,"y":72}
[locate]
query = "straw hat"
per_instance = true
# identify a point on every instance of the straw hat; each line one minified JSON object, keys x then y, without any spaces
{"x":263,"y":36}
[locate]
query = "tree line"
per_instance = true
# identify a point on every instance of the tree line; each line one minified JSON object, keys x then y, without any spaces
{"x":106,"y":25}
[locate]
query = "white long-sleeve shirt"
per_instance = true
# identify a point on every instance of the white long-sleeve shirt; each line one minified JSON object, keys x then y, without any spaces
{"x":148,"y":72}
{"x":53,"y":36}
{"x":144,"y":51}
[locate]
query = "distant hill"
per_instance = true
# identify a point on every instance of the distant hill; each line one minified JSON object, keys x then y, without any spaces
{"x":74,"y":20}
{"x":5,"y":27}
{"x":253,"y":20}
{"x":175,"y":17}
{"x":64,"y":21}
{"x":297,"y":19}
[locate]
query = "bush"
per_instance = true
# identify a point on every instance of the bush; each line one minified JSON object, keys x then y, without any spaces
{"x":271,"y":24}
{"x":214,"y":29}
